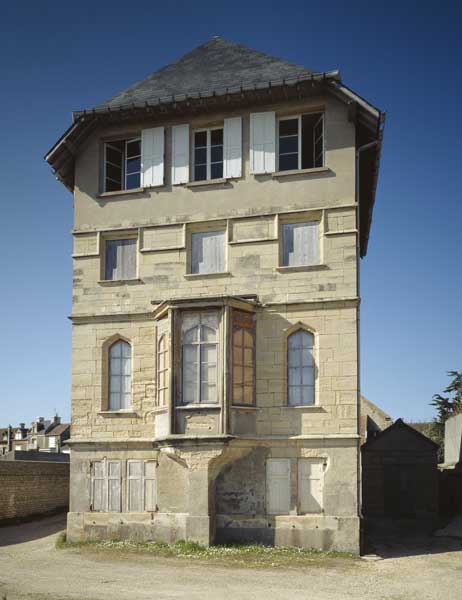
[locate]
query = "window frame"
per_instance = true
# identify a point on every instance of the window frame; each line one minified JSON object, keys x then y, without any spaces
{"x":315,"y":354}
{"x":162,"y":391}
{"x":208,"y":147}
{"x":180,"y":402}
{"x":236,"y":326}
{"x":111,"y":345}
{"x":298,"y":117}
{"x":126,"y":140}
{"x":114,"y":237}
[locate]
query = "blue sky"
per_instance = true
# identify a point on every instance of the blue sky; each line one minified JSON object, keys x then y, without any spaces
{"x":404,"y":57}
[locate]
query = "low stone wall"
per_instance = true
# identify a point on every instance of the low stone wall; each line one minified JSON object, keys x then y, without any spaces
{"x":32,"y":488}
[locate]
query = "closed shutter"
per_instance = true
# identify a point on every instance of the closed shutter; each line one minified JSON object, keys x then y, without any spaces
{"x":232,"y":164}
{"x":135,"y":485}
{"x":262,"y":142}
{"x":301,"y":244}
{"x":208,"y":252}
{"x":180,"y":154}
{"x":152,"y":157}
{"x":310,"y":485}
{"x":277,"y":486}
{"x":113,"y":486}
{"x":99,"y":486}
{"x":150,"y":486}
{"x":120,"y":259}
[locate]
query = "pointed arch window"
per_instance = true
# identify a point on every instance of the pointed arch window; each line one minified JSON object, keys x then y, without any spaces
{"x":120,"y":379}
{"x":300,"y":368}
{"x":199,"y":346}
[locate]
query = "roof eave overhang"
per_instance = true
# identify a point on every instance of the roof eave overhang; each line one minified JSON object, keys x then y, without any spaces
{"x":368,"y":118}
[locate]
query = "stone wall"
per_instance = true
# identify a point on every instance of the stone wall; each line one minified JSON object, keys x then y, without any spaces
{"x":32,"y":488}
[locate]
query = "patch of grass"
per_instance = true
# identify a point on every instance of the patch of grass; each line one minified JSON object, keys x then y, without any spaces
{"x":242,"y":555}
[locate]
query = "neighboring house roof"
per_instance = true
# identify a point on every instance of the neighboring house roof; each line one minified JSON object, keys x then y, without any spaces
{"x":399,"y":424}
{"x":221,"y":74}
{"x":59,"y":429}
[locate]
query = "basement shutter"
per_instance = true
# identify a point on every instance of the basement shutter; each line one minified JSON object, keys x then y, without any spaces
{"x":98,"y":485}
{"x":232,"y":163}
{"x":152,"y":157}
{"x":180,"y":154}
{"x":113,"y":485}
{"x":262,"y":142}
{"x":150,"y":486}
{"x":310,"y":485}
{"x":278,"y":486}
{"x":135,"y":485}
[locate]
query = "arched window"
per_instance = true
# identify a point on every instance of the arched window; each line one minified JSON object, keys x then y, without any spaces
{"x":162,"y":370}
{"x":120,"y":378}
{"x":199,"y":345}
{"x":300,"y":368}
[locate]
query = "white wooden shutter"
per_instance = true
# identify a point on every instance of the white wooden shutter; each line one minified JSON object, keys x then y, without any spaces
{"x":152,"y":157}
{"x":180,"y":154}
{"x":113,"y":486}
{"x":135,"y":485}
{"x":262,"y":142}
{"x":99,"y":486}
{"x":232,"y":150}
{"x":278,"y":486}
{"x":310,"y":485}
{"x":150,"y":486}
{"x":208,"y":252}
{"x":301,"y":244}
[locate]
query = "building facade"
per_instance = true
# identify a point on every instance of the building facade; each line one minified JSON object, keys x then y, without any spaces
{"x":220,"y":210}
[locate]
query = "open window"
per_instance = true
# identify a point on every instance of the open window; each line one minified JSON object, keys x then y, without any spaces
{"x":301,"y":142}
{"x":208,"y":154}
{"x":122,"y":165}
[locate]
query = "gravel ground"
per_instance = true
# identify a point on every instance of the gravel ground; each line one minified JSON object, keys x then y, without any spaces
{"x":31,"y":568}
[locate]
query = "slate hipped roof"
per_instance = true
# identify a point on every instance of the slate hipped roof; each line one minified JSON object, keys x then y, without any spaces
{"x":216,"y":65}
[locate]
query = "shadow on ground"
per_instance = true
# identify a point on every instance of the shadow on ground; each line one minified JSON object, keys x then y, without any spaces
{"x":395,"y":538}
{"x":37,"y":529}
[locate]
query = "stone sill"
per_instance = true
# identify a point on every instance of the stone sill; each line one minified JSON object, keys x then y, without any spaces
{"x":121,"y":193}
{"x":206,"y":182}
{"x":297,"y":268}
{"x":301,"y":172}
{"x":243,"y":407}
{"x":206,"y":275}
{"x":198,"y":407}
{"x":110,"y":282}
{"x":310,"y":408}
{"x":117,"y":413}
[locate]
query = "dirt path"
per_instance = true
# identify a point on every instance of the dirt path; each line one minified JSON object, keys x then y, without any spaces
{"x":31,"y":568}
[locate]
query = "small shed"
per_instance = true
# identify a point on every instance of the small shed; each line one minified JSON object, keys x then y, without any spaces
{"x":399,"y":474}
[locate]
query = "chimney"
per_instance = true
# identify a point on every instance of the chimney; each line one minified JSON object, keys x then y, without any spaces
{"x":22,"y":425}
{"x":56,"y":420}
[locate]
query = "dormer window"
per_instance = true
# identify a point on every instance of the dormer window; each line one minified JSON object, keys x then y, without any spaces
{"x":122,"y":165}
{"x":208,"y":154}
{"x":301,"y":142}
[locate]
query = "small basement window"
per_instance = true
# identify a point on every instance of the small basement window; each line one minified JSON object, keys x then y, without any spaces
{"x":122,"y":165}
{"x":208,"y":154}
{"x":301,"y":142}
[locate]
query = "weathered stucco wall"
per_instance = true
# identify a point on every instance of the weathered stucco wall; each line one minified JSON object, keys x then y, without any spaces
{"x":32,"y":488}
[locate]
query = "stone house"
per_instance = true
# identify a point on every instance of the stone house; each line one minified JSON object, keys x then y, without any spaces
{"x":48,"y":435}
{"x":13,"y":438}
{"x":221,"y":206}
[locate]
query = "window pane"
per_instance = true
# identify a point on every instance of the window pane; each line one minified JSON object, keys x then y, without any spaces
{"x":237,"y":337}
{"x":200,"y":138}
{"x":288,"y":162}
{"x":307,"y":395}
{"x":216,"y":154}
{"x":238,"y":394}
{"x":248,"y":375}
{"x":307,"y":376}
{"x":288,"y":145}
{"x":113,"y":186}
{"x":200,"y":173}
{"x":114,"y":173}
{"x":216,"y":137}
{"x":209,"y":354}
{"x":288,"y":127}
{"x":295,"y":376}
{"x":216,"y":171}
{"x":133,"y":148}
{"x":133,"y":181}
{"x":200,"y":156}
{"x":133,"y":165}
{"x":114,"y":156}
{"x":208,"y":392}
{"x":294,"y":396}
{"x":248,"y":394}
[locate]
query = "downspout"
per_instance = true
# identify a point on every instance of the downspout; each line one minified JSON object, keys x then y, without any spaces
{"x":359,"y":150}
